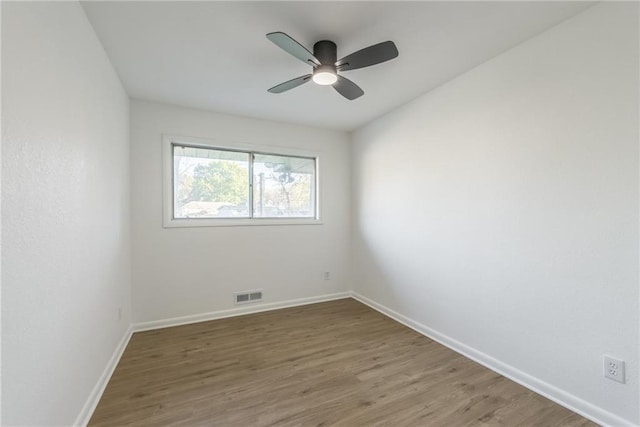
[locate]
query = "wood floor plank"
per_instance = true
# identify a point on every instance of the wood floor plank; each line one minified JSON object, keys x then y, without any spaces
{"x":337,"y":363}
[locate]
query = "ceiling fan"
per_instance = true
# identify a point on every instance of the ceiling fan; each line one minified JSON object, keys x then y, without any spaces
{"x":326,"y":65}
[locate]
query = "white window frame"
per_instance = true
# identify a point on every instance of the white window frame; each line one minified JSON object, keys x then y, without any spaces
{"x":168,"y":141}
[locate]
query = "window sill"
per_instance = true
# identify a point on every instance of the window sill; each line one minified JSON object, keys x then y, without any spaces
{"x":237,"y":222}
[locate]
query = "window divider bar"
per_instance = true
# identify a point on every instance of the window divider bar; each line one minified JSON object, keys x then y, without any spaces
{"x":251,"y":159}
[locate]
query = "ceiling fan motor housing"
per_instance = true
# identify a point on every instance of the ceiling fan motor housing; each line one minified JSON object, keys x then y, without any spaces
{"x":326,"y":52}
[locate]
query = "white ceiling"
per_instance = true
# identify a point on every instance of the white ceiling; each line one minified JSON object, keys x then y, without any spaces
{"x":215,"y":56}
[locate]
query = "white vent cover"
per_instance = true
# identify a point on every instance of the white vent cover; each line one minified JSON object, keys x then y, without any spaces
{"x":246,"y":297}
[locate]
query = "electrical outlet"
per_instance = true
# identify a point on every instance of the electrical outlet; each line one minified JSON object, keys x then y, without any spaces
{"x":327,"y":275}
{"x":613,"y":368}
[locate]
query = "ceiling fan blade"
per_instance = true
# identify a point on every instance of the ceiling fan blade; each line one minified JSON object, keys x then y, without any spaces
{"x":292,"y":47}
{"x":347,"y":88}
{"x":283,"y":87}
{"x":371,"y":55}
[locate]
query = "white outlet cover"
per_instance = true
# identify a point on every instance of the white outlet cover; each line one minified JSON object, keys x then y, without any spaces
{"x":613,"y":368}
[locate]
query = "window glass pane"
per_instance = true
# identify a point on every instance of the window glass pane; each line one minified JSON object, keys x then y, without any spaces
{"x":284,"y":186}
{"x":210,"y":183}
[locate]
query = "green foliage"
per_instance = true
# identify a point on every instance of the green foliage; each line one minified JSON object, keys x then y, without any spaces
{"x":220,"y":181}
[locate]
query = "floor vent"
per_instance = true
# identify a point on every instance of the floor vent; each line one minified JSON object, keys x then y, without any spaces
{"x":246,"y":297}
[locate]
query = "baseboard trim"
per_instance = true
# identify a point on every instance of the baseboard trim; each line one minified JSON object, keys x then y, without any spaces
{"x":221,"y":314}
{"x":96,"y":393}
{"x":569,"y":401}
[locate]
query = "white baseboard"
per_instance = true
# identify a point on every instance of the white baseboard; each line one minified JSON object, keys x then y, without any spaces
{"x":95,"y":395}
{"x":221,"y":314}
{"x":574,"y":403}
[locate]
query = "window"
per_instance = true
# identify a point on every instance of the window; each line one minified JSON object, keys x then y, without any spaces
{"x":211,"y":185}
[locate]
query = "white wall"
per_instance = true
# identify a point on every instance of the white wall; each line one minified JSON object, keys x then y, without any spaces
{"x":191,"y":271}
{"x":501,"y":210}
{"x":65,"y":212}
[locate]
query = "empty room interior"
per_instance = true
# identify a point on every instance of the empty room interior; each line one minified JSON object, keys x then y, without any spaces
{"x":320,"y":213}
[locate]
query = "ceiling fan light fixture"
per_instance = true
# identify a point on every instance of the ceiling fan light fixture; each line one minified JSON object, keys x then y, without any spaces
{"x":326,"y":65}
{"x":325,"y":75}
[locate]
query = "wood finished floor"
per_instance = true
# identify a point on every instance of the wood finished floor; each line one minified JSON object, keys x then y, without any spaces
{"x":337,"y":363}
